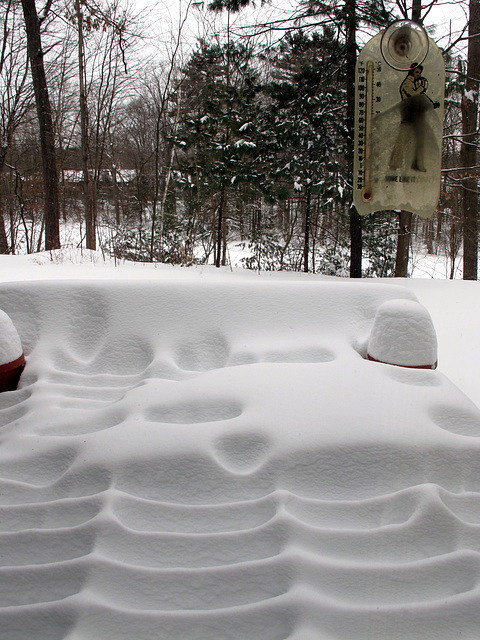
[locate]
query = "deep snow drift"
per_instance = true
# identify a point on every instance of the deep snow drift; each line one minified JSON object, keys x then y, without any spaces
{"x":201,"y":456}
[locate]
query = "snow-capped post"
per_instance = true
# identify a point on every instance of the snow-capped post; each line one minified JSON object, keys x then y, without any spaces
{"x":403,"y":334}
{"x":400,"y":86}
{"x":12,"y":359}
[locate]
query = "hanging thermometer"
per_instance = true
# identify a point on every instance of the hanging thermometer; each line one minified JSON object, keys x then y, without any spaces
{"x":400,"y":80}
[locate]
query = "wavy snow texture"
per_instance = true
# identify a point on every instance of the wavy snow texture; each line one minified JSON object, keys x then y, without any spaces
{"x":212,"y":462}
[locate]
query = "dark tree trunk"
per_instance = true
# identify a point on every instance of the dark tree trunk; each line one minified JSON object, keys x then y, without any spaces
{"x":87,"y":187}
{"x":468,"y":153}
{"x":430,"y":236}
{"x":417,"y":11}
{"x":44,"y":113}
{"x":403,"y":244}
{"x":306,"y":244}
{"x":3,"y":235}
{"x":220,"y":230}
{"x":405,"y":224}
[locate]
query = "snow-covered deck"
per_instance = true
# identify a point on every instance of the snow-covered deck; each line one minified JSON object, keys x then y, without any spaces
{"x":196,"y":458}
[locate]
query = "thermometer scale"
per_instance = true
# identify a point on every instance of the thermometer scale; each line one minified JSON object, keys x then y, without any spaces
{"x":366,"y":100}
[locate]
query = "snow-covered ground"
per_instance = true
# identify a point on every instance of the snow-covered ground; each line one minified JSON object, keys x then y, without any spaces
{"x":202,"y":454}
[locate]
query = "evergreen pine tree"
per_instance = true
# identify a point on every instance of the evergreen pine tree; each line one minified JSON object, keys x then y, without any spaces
{"x":216,"y":137}
{"x":302,"y":126}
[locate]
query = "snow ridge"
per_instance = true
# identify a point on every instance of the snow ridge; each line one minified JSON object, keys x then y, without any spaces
{"x":210,"y":462}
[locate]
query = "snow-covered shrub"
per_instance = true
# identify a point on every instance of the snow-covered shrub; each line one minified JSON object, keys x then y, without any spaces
{"x":333,"y":260}
{"x":380,"y":244}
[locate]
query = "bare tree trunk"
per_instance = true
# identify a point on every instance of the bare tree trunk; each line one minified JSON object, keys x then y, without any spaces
{"x":45,"y":121}
{"x":3,"y":235}
{"x":468,"y":152}
{"x":430,"y":236}
{"x":306,"y":244}
{"x":166,"y":183}
{"x":116,"y":192}
{"x":403,"y":244}
{"x":224,"y":240}
{"x":15,"y":99}
{"x":87,"y":189}
{"x":220,"y":231}
{"x":156,"y":179}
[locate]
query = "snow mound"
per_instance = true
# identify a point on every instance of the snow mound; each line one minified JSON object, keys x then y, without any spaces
{"x":209,"y":459}
{"x":403,"y":334}
{"x":10,"y":344}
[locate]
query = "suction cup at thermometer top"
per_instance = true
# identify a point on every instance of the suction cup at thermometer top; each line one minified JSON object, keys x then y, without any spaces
{"x":404,"y":45}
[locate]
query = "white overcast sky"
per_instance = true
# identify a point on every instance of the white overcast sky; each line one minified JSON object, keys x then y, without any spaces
{"x":162,"y":18}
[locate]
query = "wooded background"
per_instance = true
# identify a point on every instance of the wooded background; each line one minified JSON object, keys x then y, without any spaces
{"x":123,"y":132}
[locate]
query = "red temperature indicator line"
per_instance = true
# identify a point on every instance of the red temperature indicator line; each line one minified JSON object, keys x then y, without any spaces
{"x":367,"y":188}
